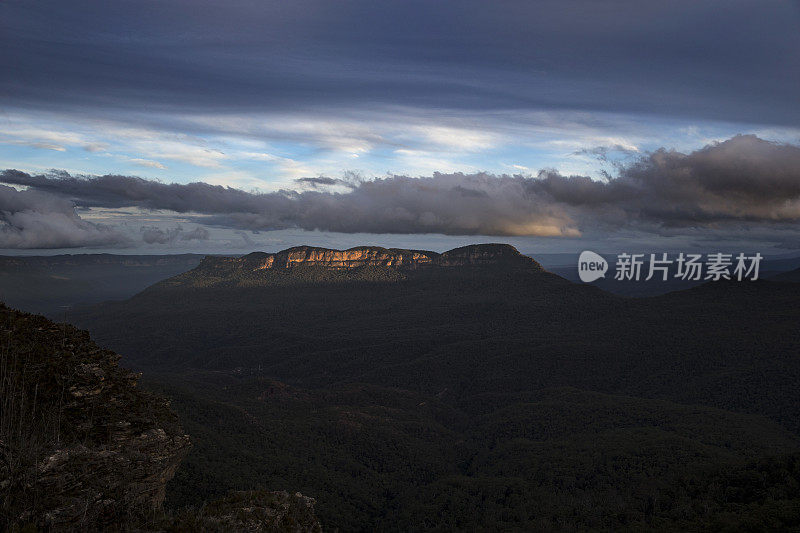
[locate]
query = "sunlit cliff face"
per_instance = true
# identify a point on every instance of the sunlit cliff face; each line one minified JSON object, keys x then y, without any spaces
{"x":346,"y":258}
{"x":477,"y":254}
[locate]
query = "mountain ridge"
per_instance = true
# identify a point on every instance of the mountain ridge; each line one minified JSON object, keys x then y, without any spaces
{"x":50,"y":261}
{"x":474,"y":254}
{"x":310,"y":264}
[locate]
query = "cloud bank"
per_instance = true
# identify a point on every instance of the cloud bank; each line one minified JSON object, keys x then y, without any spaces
{"x":32,"y":219}
{"x":739,"y":183}
{"x":249,"y":56}
{"x":156,"y":235}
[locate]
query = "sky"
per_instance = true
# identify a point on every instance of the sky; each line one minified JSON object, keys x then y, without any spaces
{"x":170,"y":126}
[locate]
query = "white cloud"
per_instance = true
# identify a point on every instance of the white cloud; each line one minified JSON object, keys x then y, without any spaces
{"x":459,"y":139}
{"x":147,"y":163}
{"x":227,"y":148}
{"x":240,"y":179}
{"x":421,"y":162}
{"x":13,"y":132}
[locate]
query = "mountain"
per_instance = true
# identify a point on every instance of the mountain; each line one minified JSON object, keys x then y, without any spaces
{"x":486,"y":326}
{"x":407,"y":390}
{"x":777,"y":269}
{"x":53,"y":284}
{"x":474,"y":255}
{"x":82,"y":448}
{"x":307,"y":264}
{"x":630,"y":288}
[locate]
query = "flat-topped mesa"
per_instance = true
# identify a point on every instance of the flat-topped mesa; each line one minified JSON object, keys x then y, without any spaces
{"x":485,"y":254}
{"x":473,"y":255}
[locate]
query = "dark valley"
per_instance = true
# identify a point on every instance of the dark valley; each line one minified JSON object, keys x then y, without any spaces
{"x":52,"y":285}
{"x":407,"y":390}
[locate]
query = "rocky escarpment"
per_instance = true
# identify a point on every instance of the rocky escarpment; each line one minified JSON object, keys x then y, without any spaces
{"x":361,"y":256}
{"x":308,"y":264}
{"x":81,"y":447}
{"x":254,"y":511}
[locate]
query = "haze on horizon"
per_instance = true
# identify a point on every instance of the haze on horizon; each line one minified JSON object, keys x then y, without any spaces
{"x":160,"y":127}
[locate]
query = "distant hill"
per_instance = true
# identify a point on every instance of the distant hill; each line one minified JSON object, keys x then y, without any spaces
{"x":774,"y":269}
{"x":307,"y":264}
{"x":630,"y":288}
{"x":51,"y":284}
{"x":507,"y":324}
{"x":406,"y":394}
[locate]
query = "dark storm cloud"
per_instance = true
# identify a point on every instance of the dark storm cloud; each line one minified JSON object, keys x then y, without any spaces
{"x":742,"y":179}
{"x":247,"y":240}
{"x":742,"y":182}
{"x":323,"y":181}
{"x":602,"y":152}
{"x":34,"y":219}
{"x":197,"y":234}
{"x":156,"y":235}
{"x":122,"y":191}
{"x":733,"y":59}
{"x":445,"y":203}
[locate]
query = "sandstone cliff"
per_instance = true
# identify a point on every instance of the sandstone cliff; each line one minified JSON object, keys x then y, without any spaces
{"x":309,"y":264}
{"x":361,"y":256}
{"x":81,"y":447}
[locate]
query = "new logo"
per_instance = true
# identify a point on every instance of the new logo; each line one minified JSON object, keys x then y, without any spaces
{"x":591,"y":266}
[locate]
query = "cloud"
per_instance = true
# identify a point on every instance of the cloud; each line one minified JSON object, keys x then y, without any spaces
{"x":41,"y":145}
{"x":45,"y":138}
{"x":458,"y":139}
{"x":95,"y":147}
{"x":197,"y":234}
{"x":315,"y":182}
{"x":324,"y":181}
{"x":454,"y":204}
{"x":743,"y":179}
{"x":182,"y":150}
{"x":156,"y":235}
{"x":739,"y":182}
{"x":147,"y":163}
{"x":247,"y":240}
{"x":601,"y":152}
{"x":34,"y":219}
{"x":249,"y":56}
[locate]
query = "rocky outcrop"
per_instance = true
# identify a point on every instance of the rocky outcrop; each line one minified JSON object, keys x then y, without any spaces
{"x":401,"y":259}
{"x":81,"y":447}
{"x":256,"y":511}
{"x":354,"y":257}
